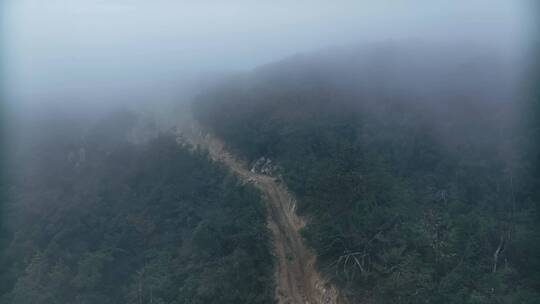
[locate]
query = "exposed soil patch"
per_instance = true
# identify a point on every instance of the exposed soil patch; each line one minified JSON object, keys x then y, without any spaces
{"x":297,"y":280}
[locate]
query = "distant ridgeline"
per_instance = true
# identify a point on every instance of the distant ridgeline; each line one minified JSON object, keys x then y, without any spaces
{"x":95,"y":218}
{"x":409,"y":164}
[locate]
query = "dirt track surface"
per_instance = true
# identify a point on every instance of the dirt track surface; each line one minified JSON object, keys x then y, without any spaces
{"x":297,"y":281}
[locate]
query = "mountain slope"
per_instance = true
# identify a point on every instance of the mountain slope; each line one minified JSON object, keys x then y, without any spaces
{"x":95,"y":218}
{"x":406,"y":163}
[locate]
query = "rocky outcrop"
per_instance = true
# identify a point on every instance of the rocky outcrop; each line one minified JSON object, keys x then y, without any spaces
{"x":264,"y":166}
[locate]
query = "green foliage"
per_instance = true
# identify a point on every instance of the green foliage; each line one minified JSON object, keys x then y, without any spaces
{"x":97,"y":219}
{"x":409,"y":197}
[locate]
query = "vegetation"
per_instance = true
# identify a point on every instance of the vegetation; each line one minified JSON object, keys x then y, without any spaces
{"x":94,"y":218}
{"x":415,"y":193}
{"x":417,"y":189}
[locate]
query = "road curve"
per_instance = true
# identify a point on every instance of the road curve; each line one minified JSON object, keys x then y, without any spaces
{"x":297,"y":281}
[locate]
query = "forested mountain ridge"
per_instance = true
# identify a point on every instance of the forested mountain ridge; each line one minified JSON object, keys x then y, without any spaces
{"x":96,"y":218}
{"x":411,"y":169}
{"x":414,"y":169}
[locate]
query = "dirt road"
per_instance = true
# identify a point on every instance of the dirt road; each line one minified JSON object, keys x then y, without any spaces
{"x":296,"y":278}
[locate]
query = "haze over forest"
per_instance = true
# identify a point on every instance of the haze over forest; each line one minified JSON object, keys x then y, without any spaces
{"x":117,"y":51}
{"x":285,"y":152}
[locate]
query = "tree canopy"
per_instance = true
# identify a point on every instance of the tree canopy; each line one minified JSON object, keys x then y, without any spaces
{"x":413,"y":194}
{"x":94,"y":218}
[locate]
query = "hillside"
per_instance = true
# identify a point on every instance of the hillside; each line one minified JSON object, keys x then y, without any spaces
{"x":408,"y":163}
{"x":96,"y":218}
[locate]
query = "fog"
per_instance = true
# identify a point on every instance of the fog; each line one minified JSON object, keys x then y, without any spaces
{"x":95,"y":53}
{"x":244,"y":151}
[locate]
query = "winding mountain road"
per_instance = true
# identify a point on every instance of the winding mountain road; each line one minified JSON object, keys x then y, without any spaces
{"x":297,"y":280}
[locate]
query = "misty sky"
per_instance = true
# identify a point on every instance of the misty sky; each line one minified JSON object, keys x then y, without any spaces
{"x":91,"y":50}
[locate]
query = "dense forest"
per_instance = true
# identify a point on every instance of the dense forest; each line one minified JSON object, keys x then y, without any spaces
{"x":416,"y":189}
{"x":93,"y":217}
{"x":421,"y":189}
